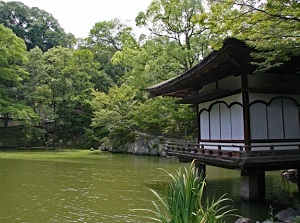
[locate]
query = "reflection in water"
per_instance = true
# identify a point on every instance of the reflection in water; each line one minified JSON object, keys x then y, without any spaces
{"x":101,"y":187}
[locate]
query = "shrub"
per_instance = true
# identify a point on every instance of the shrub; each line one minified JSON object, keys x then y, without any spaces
{"x":185,"y":203}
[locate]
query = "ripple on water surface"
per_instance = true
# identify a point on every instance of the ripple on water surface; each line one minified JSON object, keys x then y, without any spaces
{"x":100,"y":188}
{"x":78,"y":190}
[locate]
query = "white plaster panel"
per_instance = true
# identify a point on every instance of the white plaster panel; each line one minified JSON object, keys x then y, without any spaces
{"x":263,"y":97}
{"x":277,"y":146}
{"x":208,"y":87}
{"x":258,"y":121}
{"x":291,"y":78}
{"x":224,"y":146}
{"x":214,"y":119}
{"x":295,"y":97}
{"x":204,"y":125}
{"x":228,"y":100}
{"x":268,"y":97}
{"x":11,"y":123}
{"x":237,"y":122}
{"x":262,"y":79}
{"x":225,"y":122}
{"x":275,"y":119}
{"x":230,"y":83}
{"x":291,"y":119}
{"x":286,"y":147}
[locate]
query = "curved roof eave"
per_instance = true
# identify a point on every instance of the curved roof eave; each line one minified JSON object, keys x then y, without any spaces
{"x":168,"y":86}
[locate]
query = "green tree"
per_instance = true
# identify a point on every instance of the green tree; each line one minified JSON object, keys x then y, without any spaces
{"x":73,"y":108}
{"x":108,"y":34}
{"x":60,"y":86}
{"x":12,"y":58}
{"x":104,"y":40}
{"x":162,"y":116}
{"x":115,"y":112}
{"x":272,"y":27}
{"x":175,"y":20}
{"x":35,"y":26}
{"x":37,"y":94}
{"x":154,"y":61}
{"x":176,"y":42}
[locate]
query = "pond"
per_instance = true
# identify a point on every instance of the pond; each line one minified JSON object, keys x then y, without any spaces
{"x":85,"y":186}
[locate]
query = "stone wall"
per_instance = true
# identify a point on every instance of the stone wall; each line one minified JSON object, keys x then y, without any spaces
{"x":289,"y":215}
{"x":146,"y":145}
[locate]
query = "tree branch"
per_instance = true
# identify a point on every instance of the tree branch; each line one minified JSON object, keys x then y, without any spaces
{"x":292,"y":18}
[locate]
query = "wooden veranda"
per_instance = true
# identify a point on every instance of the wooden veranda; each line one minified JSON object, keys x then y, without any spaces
{"x":250,"y":162}
{"x":269,"y":157}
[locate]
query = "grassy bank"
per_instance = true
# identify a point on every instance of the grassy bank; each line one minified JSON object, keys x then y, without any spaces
{"x":57,"y":154}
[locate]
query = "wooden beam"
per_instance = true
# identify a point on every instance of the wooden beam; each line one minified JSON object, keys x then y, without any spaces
{"x":207,"y":96}
{"x":246,"y":111}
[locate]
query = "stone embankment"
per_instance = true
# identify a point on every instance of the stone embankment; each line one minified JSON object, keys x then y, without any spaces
{"x":143,"y":145}
{"x":289,"y":215}
{"x":13,"y":137}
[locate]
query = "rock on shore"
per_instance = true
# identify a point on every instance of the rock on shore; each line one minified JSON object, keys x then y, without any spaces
{"x":288,"y":215}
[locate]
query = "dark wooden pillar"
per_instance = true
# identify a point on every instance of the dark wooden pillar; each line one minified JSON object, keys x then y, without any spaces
{"x":246,"y":112}
{"x":261,"y":185}
{"x":298,"y":180}
{"x":200,"y":169}
{"x":198,"y":123}
{"x":252,"y":185}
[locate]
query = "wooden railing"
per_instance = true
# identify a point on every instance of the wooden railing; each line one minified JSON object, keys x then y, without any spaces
{"x":225,"y":150}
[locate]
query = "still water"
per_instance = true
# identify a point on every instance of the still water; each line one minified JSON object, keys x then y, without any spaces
{"x":84,"y":186}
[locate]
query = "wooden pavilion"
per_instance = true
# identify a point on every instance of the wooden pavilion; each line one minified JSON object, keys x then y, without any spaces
{"x":247,"y":120}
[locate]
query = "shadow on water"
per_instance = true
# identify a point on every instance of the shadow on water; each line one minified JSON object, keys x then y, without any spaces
{"x":280,"y":193}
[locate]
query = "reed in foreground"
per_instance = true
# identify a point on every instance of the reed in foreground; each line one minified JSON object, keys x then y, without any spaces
{"x":185,"y":203}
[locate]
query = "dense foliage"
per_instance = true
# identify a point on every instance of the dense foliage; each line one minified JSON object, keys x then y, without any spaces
{"x":272,"y":26}
{"x":35,"y":26}
{"x":95,"y":92}
{"x":12,"y":57}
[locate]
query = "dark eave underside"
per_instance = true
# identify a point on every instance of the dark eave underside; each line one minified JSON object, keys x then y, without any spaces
{"x":233,"y":58}
{"x":279,"y":88}
{"x":207,"y":96}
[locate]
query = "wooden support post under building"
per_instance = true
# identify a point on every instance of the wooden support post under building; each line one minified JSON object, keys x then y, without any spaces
{"x":200,"y":169}
{"x":298,"y":180}
{"x":252,"y":185}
